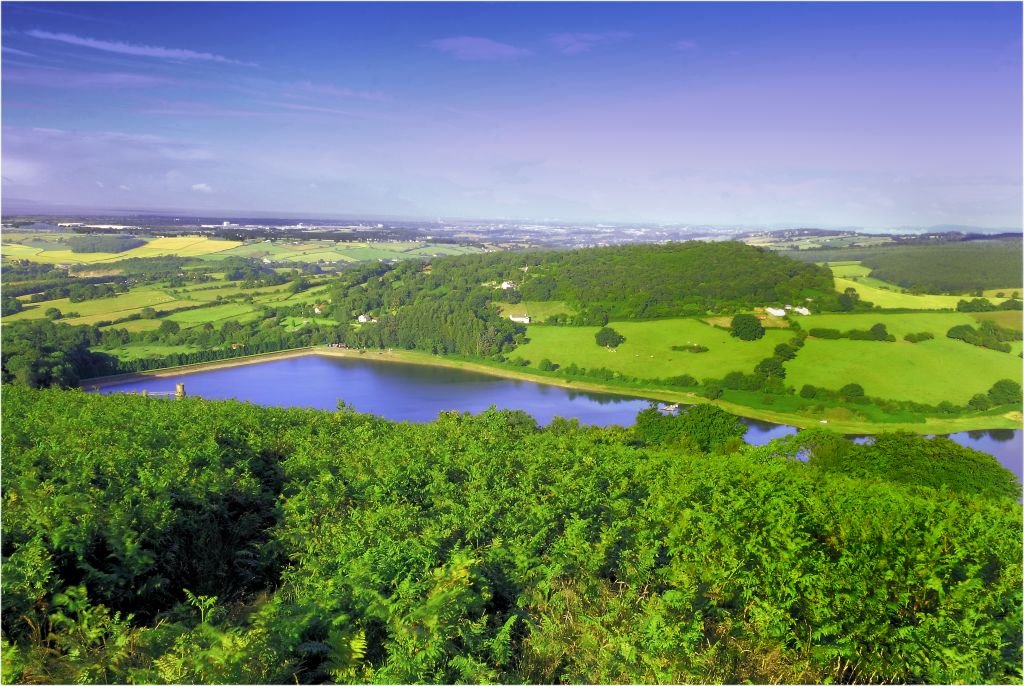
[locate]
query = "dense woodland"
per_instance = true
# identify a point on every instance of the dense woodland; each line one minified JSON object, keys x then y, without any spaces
{"x":193,"y":541}
{"x":955,"y":267}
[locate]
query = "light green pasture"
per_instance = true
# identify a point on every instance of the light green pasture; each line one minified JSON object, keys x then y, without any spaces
{"x":538,"y":310}
{"x":899,"y":325}
{"x":647,"y":352}
{"x":928,"y":372}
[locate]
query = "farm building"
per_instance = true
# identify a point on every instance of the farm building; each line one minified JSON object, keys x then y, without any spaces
{"x":525,"y":319}
{"x":505,"y":285}
{"x":775,"y":312}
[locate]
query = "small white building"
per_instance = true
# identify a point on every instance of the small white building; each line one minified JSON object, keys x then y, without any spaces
{"x":775,"y":312}
{"x":364,"y":318}
{"x":525,"y":319}
{"x":801,"y":310}
{"x":505,"y":285}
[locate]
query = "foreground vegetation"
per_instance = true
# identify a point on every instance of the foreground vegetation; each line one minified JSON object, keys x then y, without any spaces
{"x":193,"y":541}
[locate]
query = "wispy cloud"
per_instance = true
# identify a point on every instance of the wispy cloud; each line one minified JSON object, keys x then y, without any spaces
{"x":202,"y":188}
{"x":478,"y":49}
{"x":577,"y":43}
{"x":684,"y":45}
{"x":338,"y":111}
{"x":199,"y":109}
{"x":339,"y":92}
{"x":15,"y":51}
{"x":62,"y":78}
{"x":135,"y":50}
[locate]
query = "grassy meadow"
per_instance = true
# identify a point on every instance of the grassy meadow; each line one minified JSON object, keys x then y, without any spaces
{"x":928,"y":372}
{"x":892,"y":299}
{"x":183,"y":246}
{"x":345,"y":251}
{"x":538,"y":310}
{"x":647,"y":352}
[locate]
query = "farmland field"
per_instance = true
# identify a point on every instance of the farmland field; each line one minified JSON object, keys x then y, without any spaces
{"x":927,"y":372}
{"x":123,"y":303}
{"x":647,"y":352}
{"x":210,"y":314}
{"x":538,"y":310}
{"x":346,"y":251}
{"x":184,"y":246}
{"x":899,"y":325}
{"x":893,"y":299}
{"x":1009,"y":318}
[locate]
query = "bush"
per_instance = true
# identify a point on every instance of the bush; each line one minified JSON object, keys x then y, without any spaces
{"x":1005,"y":392}
{"x":979,"y":402}
{"x":852,"y":392}
{"x":918,"y":337}
{"x":682,"y":380}
{"x":547,"y":365}
{"x":808,"y":391}
{"x":690,"y":348}
{"x":825,"y":333}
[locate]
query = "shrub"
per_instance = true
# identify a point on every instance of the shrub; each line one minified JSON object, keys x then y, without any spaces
{"x":547,"y":365}
{"x":918,"y":337}
{"x":825,"y":333}
{"x":979,"y":402}
{"x":808,"y":391}
{"x":1005,"y":392}
{"x":852,"y":392}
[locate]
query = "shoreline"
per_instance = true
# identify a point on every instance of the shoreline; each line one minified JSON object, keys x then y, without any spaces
{"x":929,"y":426}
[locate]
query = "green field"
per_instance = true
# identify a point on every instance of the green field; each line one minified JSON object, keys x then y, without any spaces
{"x":647,"y":352}
{"x":120,"y":305}
{"x":927,"y":372}
{"x":881,"y":297}
{"x":848,"y":270}
{"x":346,"y":251}
{"x":899,"y":325}
{"x":1007,"y":318}
{"x":185,"y":246}
{"x":213,"y":314}
{"x":140,"y":351}
{"x":538,"y":310}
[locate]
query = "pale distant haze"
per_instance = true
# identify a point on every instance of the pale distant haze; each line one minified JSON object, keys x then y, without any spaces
{"x":873,"y":114}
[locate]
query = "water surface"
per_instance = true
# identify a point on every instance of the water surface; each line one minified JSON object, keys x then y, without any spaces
{"x":418,"y":393}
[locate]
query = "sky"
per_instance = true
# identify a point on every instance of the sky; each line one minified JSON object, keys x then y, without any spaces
{"x":877,"y":115}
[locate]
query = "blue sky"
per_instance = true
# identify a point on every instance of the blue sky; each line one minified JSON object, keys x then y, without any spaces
{"x":832,"y":114}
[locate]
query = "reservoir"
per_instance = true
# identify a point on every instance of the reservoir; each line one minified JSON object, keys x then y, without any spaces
{"x":418,"y":393}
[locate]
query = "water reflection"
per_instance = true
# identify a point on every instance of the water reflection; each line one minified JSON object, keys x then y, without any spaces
{"x":418,"y":393}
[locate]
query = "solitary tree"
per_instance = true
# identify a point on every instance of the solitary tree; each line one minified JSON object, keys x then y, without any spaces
{"x":609,"y":337}
{"x":746,"y":327}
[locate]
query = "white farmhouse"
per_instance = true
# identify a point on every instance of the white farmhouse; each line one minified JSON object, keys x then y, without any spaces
{"x":775,"y":312}
{"x":505,"y":285}
{"x":801,"y":310}
{"x":525,"y":319}
{"x":364,"y":318}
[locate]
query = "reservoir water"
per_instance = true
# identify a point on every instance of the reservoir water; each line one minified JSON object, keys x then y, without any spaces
{"x":417,"y":393}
